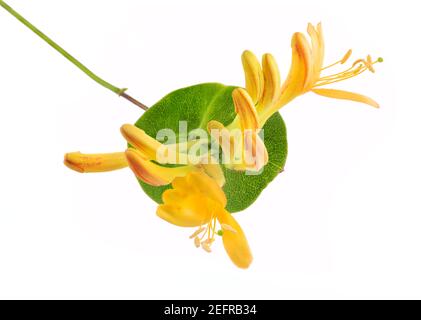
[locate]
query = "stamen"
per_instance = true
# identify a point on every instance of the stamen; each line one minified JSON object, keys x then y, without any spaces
{"x":358,"y":67}
{"x":209,"y":241}
{"x":342,"y":61}
{"x":346,"y":56}
{"x":370,"y":64}
{"x":213,"y":229}
{"x":197,"y":242}
{"x":340,"y":77}
{"x":227,"y":227}
{"x":337,"y":80}
{"x":210,"y":231}
{"x":350,"y":71}
{"x":197,"y":232}
{"x":206,"y":247}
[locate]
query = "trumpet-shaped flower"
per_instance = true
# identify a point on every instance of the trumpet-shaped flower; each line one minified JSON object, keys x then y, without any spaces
{"x":101,"y":162}
{"x":305,"y":75}
{"x":196,"y":200}
{"x":143,"y":158}
{"x":265,"y":94}
{"x":146,"y":151}
{"x":246,"y":150}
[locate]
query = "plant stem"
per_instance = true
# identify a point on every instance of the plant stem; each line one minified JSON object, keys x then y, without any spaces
{"x":68,"y":56}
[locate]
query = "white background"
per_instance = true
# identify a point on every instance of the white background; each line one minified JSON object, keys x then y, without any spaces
{"x":342,"y":221}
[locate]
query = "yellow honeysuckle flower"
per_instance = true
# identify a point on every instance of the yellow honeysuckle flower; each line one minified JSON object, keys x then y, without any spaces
{"x":253,"y":75}
{"x":152,"y":173}
{"x":100,"y":162}
{"x":196,"y":200}
{"x":248,"y":147}
{"x":145,"y":153}
{"x":152,"y":149}
{"x":268,"y":95}
{"x":143,"y":159}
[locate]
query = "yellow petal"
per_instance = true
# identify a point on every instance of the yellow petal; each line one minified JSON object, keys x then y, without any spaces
{"x":190,"y":212}
{"x":174,"y":196}
{"x":147,"y":145}
{"x":272,"y":86}
{"x":215,"y":171}
{"x":253,"y":74}
{"x":317,"y":53}
{"x":321,"y":43}
{"x":245,"y":109}
{"x":301,"y":68}
{"x":345,"y":95}
{"x":223,"y":137}
{"x":192,"y":201}
{"x":152,"y":149}
{"x":152,"y":173}
{"x":101,"y":162}
{"x":255,"y":152}
{"x":182,"y":184}
{"x":215,"y":125}
{"x":246,"y":152}
{"x":207,"y":186}
{"x":294,"y":85}
{"x":235,"y":242}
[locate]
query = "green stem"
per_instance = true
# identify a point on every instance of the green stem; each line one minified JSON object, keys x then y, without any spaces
{"x":68,"y":56}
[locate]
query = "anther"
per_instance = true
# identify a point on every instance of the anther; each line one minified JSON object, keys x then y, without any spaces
{"x":197,"y":232}
{"x":369,"y":64}
{"x":206,"y":246}
{"x":346,"y":56}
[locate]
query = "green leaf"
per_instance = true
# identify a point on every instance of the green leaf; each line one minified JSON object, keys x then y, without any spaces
{"x":212,"y":101}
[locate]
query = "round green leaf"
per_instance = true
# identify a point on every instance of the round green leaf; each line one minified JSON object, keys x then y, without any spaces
{"x":212,"y":101}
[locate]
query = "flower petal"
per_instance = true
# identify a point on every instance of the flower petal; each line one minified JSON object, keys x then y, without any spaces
{"x":192,"y":201}
{"x":253,"y":74}
{"x":182,"y":184}
{"x":299,"y":73}
{"x":152,"y":173}
{"x":245,"y":109}
{"x":215,"y":171}
{"x":224,"y":139}
{"x":100,"y":162}
{"x":152,"y":149}
{"x":317,"y":53}
{"x":345,"y":95}
{"x":319,"y":30}
{"x":173,"y":196}
{"x":235,"y":243}
{"x":189,"y":213}
{"x":255,"y":153}
{"x":144,"y":143}
{"x":243,"y":150}
{"x":301,"y":68}
{"x":272,"y":86}
{"x":207,"y":186}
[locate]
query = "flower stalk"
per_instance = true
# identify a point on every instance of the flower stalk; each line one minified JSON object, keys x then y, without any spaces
{"x":119,"y":91}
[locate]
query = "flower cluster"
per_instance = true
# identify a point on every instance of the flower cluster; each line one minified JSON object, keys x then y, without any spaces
{"x":196,"y":198}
